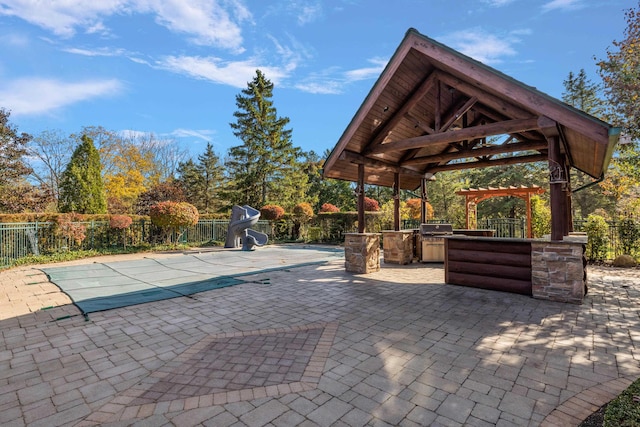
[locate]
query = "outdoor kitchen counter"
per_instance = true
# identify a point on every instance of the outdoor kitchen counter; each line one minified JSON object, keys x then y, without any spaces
{"x":542,"y":268}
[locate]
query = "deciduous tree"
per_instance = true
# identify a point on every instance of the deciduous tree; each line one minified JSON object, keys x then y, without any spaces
{"x":620,"y":72}
{"x":50,"y":152}
{"x":13,"y":148}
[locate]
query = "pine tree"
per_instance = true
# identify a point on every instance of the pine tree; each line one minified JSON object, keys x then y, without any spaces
{"x":582,"y":94}
{"x":212,"y":179}
{"x":81,"y":187}
{"x":265,"y":167}
{"x":191,"y":181}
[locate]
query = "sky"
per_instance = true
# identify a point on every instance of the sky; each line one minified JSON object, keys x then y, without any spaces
{"x":174,"y":67}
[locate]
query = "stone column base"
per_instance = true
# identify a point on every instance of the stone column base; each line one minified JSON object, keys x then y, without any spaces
{"x":398,"y":246}
{"x":362,"y":252}
{"x":558,"y":270}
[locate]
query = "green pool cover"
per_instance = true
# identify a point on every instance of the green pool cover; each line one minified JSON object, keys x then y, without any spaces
{"x":103,"y":286}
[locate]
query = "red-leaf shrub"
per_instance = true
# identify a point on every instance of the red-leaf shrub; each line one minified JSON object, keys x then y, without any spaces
{"x":272,"y":212}
{"x":329,"y":208}
{"x":69,"y":226}
{"x":120,"y":222}
{"x":303,"y":211}
{"x":173,"y":214}
{"x":371,"y":205}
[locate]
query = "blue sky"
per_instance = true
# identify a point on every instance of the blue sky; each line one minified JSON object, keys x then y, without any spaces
{"x":174,"y":67}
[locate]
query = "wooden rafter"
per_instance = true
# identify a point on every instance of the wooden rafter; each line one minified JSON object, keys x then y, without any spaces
{"x":444,"y":138}
{"x":488,"y":163}
{"x":478,"y":152}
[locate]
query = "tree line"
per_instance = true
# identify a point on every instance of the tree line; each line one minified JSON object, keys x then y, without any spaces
{"x":102,"y":171}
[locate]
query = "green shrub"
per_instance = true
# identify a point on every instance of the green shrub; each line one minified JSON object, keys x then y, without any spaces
{"x":597,"y":233}
{"x":540,"y":217}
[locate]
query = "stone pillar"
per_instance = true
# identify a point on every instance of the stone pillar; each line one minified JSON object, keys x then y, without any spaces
{"x":398,"y":246}
{"x":362,"y":252}
{"x":558,"y":270}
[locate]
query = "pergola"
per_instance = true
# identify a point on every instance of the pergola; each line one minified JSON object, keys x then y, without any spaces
{"x":434,"y":109}
{"x":473,"y":196}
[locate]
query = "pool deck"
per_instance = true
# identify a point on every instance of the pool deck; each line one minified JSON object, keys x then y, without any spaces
{"x":316,"y":345}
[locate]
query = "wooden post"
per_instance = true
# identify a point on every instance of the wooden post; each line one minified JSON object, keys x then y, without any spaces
{"x":396,"y":201}
{"x":569,"y":208}
{"x":529,"y":226}
{"x":360,"y":194}
{"x":423,"y":201}
{"x":557,"y":197}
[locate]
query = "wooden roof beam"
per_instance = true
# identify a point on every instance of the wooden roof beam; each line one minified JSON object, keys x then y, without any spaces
{"x":488,"y":163}
{"x":478,"y":152}
{"x":499,"y":105}
{"x":407,"y":106}
{"x":444,"y":138}
{"x":356,"y":158}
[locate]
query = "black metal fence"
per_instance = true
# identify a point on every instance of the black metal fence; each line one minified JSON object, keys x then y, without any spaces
{"x":18,"y":240}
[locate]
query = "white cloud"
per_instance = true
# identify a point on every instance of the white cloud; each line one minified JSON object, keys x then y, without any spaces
{"x":208,"y":22}
{"x":204,"y":134}
{"x":333,"y":81}
{"x":482,"y":46}
{"x":15,"y":40}
{"x":105,"y":51}
{"x":366,"y":72}
{"x":497,"y":3}
{"x":62,"y":17}
{"x":307,"y":11}
{"x":562,"y":4}
{"x":236,"y":74}
{"x":33,"y":96}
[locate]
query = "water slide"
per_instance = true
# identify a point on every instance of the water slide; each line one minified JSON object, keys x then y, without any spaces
{"x":242,"y":219}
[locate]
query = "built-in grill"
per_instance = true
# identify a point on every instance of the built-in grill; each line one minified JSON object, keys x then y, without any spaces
{"x":432,"y":241}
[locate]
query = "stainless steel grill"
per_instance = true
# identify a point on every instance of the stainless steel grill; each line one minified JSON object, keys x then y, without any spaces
{"x":432,"y":236}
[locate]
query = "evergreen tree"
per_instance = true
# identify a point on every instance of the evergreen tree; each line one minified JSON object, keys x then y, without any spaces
{"x":212,"y":173}
{"x":81,"y":187}
{"x":191,"y":181}
{"x":265,"y":167}
{"x":582,"y":94}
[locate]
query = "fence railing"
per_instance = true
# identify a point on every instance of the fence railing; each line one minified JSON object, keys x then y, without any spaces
{"x":18,"y":240}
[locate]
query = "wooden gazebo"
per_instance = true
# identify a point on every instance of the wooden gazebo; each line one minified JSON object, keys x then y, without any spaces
{"x":434,"y":109}
{"x":473,"y":196}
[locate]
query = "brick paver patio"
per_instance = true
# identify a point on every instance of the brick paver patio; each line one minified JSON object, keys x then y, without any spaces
{"x":318,"y":346}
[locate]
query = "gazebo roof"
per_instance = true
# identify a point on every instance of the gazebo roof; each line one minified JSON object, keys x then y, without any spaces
{"x":434,"y":109}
